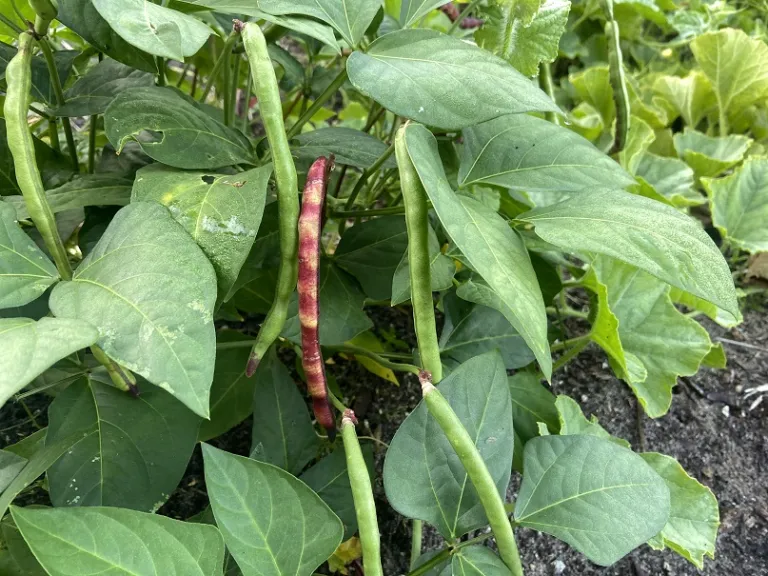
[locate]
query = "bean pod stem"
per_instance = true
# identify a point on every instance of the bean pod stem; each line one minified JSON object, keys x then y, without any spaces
{"x":362,"y":494}
{"x":477,"y":471}
{"x":270,"y":107}
{"x":18,"y":77}
{"x":417,"y":224}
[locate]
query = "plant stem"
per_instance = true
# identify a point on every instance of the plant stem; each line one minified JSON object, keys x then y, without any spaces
{"x":417,"y":527}
{"x":570,"y":355}
{"x":53,"y":134}
{"x":367,"y":174}
{"x":365,"y":213}
{"x":92,"y":144}
{"x":568,"y":343}
{"x":183,"y":74}
{"x":338,"y":404}
{"x":358,"y":351}
{"x":332,"y":88}
{"x":227,"y":89}
{"x":60,"y":100}
{"x":436,"y":560}
{"x":229,"y":44}
{"x":10,"y":23}
{"x":121,"y":378}
{"x":464,"y":13}
{"x":160,"y":71}
{"x":545,"y":80}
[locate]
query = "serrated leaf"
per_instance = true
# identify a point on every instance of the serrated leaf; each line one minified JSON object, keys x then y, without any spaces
{"x":441,"y":269}
{"x":150,"y":291}
{"x":30,"y":348}
{"x":692,"y":97}
{"x":491,"y":247}
{"x":221,"y":212}
{"x":25,"y":271}
{"x":294,"y":541}
{"x":710,"y":156}
{"x":670,"y":177}
{"x":573,"y":482}
{"x":350,"y":147}
{"x":641,"y":232}
{"x":441,"y":81}
{"x":739,"y":205}
{"x":523,"y":44}
{"x":120,"y":542}
{"x":423,"y":477}
{"x":173,"y":130}
{"x":691,"y":530}
{"x":134,"y":457}
{"x":282,"y":429}
{"x":573,"y":422}
{"x":522,"y":152}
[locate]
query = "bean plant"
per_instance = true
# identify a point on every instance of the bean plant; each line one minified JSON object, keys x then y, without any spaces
{"x":204,"y":201}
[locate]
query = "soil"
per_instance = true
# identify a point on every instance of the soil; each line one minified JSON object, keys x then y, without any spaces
{"x":710,"y":429}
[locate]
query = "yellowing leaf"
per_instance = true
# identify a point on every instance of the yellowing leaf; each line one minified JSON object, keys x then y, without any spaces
{"x":370,"y":342}
{"x":346,"y":553}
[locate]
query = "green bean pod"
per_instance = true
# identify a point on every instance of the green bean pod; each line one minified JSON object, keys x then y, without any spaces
{"x":417,"y":224}
{"x":477,"y":471}
{"x":18,"y":76}
{"x":271,"y":109}
{"x":618,"y":79}
{"x":362,"y":494}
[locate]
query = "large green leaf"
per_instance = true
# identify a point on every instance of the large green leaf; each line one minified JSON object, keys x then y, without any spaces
{"x":173,"y":130}
{"x":371,"y":251}
{"x":341,"y":308}
{"x":694,"y":517}
{"x":92,"y":93}
{"x":133,"y":452}
{"x":155,"y":29}
{"x":81,"y":17}
{"x":119,"y":542}
{"x":670,"y":177}
{"x":644,"y":233}
{"x":86,"y":190}
{"x":523,"y":44}
{"x":330,"y":480}
{"x":739,"y":204}
{"x":231,"y":391}
{"x":221,"y":212}
{"x":30,"y":348}
{"x":522,"y":152}
{"x":441,"y":272}
{"x":423,"y":477}
{"x":692,"y":97}
{"x":441,"y":81}
{"x":600,"y":498}
{"x":653,"y":332}
{"x":282,"y":429}
{"x":709,"y":155}
{"x":25,"y":272}
{"x":736,"y":65}
{"x":19,"y":550}
{"x":349,"y":147}
{"x":491,"y":247}
{"x":10,"y":466}
{"x":151,"y":291}
{"x":284,"y":530}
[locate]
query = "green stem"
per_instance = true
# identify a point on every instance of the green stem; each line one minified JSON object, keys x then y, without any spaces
{"x":433,"y":562}
{"x":10,"y":23}
{"x":722,"y":119}
{"x":60,"y":100}
{"x":548,"y":85}
{"x":122,"y":379}
{"x":229,"y":44}
{"x":417,"y":530}
{"x":464,"y":13}
{"x":183,"y":74}
{"x":160,"y":71}
{"x":567,"y":311}
{"x":227,"y":89}
{"x":568,"y":343}
{"x":358,"y":351}
{"x":367,"y":174}
{"x":366,"y":213}
{"x":92,"y":144}
{"x":569,"y":355}
{"x":477,"y":472}
{"x":338,"y":404}
{"x":53,"y":134}
{"x":332,"y":88}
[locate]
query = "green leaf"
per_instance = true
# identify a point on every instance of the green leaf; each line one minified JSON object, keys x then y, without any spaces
{"x":736,"y":65}
{"x":311,"y":28}
{"x":710,"y":156}
{"x":285,"y":530}
{"x":30,"y":348}
{"x":593,"y":86}
{"x":150,"y":291}
{"x":92,"y":93}
{"x":81,"y":17}
{"x":670,"y":177}
{"x":641,"y":232}
{"x":19,"y":550}
{"x":25,"y":272}
{"x":350,"y":147}
{"x":42,"y":89}
{"x":231,"y":391}
{"x":691,"y":530}
{"x":282,"y":429}
{"x":423,"y":477}
{"x":330,"y":480}
{"x":133,"y":452}
{"x":155,"y":29}
{"x":523,"y":44}
{"x":441,"y":268}
{"x":412,"y":10}
{"x":639,"y":140}
{"x":720,"y":316}
{"x":371,"y":251}
{"x":692,"y":97}
{"x":739,"y":205}
{"x":653,"y":332}
{"x":119,"y":542}
{"x":598,"y":497}
{"x":573,"y":422}
{"x":221,"y":212}
{"x":491,"y":247}
{"x":532,"y":403}
{"x":173,"y":130}
{"x":476,"y":560}
{"x":86,"y":190}
{"x":525,"y":153}
{"x":442,"y":81}
{"x":341,"y":308}
{"x":10,"y":466}
{"x":472,"y":329}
